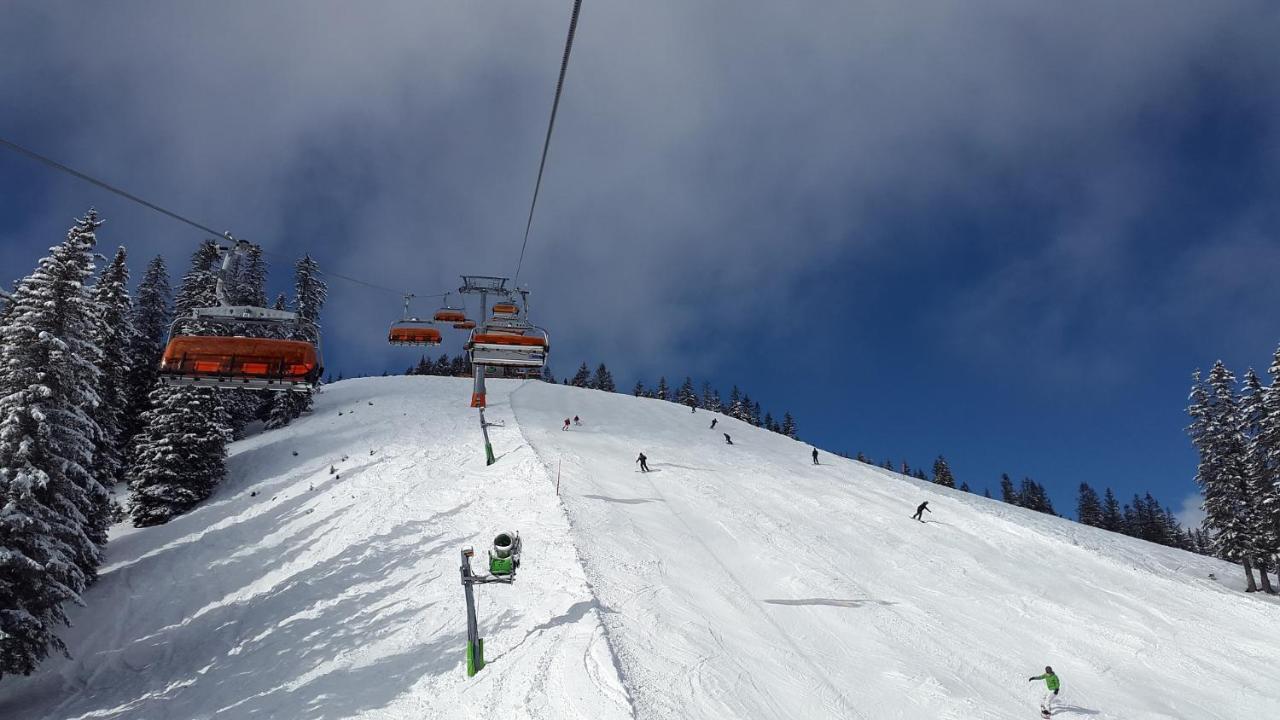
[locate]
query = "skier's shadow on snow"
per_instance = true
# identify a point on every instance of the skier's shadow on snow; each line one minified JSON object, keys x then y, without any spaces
{"x":686,"y":467}
{"x":1060,"y":709}
{"x":832,"y":602}
{"x":623,"y":501}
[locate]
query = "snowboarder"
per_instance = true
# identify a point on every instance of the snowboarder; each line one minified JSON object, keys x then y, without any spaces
{"x":566,"y":425}
{"x":815,"y":456}
{"x":921,"y":510}
{"x":576,"y":421}
{"x":644,"y":463}
{"x":1052,"y":685}
{"x":713,"y":423}
{"x":693,"y":408}
{"x":728,"y":440}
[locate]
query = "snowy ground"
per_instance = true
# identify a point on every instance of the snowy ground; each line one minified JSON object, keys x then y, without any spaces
{"x":733,"y":582}
{"x":338,"y":595}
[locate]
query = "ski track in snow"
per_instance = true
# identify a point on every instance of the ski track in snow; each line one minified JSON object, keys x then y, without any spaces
{"x":733,"y":582}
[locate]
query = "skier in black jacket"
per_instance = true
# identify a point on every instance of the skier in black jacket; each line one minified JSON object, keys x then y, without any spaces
{"x":815,"y":456}
{"x":644,"y":463}
{"x":727,"y":439}
{"x":924,"y":508}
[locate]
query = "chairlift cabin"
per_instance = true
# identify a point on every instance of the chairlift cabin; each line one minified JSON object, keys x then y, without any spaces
{"x":509,"y":346}
{"x":240,"y":363}
{"x":236,"y":361}
{"x":413,"y":332}
{"x":465,"y":325}
{"x":450,"y":314}
{"x":410,"y":330}
{"x":505,"y":309}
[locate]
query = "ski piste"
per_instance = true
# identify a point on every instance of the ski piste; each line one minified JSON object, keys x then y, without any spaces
{"x":737,"y":581}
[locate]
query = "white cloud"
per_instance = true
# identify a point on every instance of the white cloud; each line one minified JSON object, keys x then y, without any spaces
{"x":1191,"y":514}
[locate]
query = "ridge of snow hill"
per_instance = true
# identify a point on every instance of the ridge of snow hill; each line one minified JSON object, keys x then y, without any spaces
{"x":731,"y":582}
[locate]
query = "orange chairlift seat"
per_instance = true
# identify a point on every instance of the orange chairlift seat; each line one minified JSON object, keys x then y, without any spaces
{"x":505,"y":308}
{"x":507,"y":347}
{"x":465,"y":325}
{"x":413,"y":333}
{"x":256,"y":363}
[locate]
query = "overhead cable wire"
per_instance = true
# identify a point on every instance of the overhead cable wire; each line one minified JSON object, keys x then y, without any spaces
{"x":180,"y":218}
{"x":546,"y":144}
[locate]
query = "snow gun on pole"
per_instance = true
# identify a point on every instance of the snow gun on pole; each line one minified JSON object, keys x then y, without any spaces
{"x":504,"y":558}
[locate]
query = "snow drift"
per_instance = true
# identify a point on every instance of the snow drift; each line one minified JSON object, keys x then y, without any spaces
{"x":732,"y":581}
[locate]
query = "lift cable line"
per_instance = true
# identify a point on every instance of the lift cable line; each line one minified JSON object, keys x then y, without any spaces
{"x":180,"y":218}
{"x":546,"y":144}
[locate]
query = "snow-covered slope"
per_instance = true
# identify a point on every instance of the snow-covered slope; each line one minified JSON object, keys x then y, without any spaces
{"x":732,"y":582}
{"x":338,"y":595}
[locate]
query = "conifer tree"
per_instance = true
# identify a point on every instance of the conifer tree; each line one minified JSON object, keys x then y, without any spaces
{"x":55,"y":512}
{"x":639,"y":390}
{"x":1260,"y":476}
{"x":770,"y":424}
{"x":710,"y":398}
{"x":310,"y":293}
{"x":582,"y":378}
{"x":662,"y":392}
{"x":942,"y":473}
{"x":685,"y":395}
{"x":1088,"y":506}
{"x":547,"y":377}
{"x":179,"y":455}
{"x":603,"y":379}
{"x":1007,"y":492}
{"x":152,"y":315}
{"x":113,"y":334}
{"x":860,"y":457}
{"x":789,"y":426}
{"x":1220,"y":472}
{"x":755,"y":414}
{"x":734,"y":408}
{"x":1112,"y":518}
{"x":964,"y":486}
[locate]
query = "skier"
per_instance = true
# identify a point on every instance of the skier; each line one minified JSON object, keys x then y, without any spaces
{"x":713,"y":423}
{"x":644,"y":463}
{"x":727,"y":439}
{"x":566,"y":425}
{"x":815,"y":456}
{"x":693,"y":408}
{"x":1052,"y":685}
{"x":921,"y":510}
{"x":576,"y":421}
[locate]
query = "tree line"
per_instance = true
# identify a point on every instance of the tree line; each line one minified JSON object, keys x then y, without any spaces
{"x":1144,"y":517}
{"x":83,"y":415}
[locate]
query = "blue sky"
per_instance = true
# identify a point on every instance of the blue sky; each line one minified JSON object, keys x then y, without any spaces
{"x":1003,"y":231}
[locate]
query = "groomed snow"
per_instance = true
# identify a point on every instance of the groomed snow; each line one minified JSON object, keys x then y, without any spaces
{"x":732,"y":582}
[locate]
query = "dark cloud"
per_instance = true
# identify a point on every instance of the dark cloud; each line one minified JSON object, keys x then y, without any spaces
{"x":708,"y":154}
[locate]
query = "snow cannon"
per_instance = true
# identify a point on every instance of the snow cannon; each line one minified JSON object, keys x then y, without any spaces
{"x":504,"y":558}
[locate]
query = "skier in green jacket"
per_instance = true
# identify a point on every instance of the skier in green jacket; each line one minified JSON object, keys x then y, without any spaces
{"x":1052,"y":685}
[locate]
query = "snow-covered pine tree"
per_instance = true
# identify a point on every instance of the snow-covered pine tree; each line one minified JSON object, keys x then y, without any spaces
{"x":152,"y":315}
{"x":639,"y":390}
{"x":179,"y":455}
{"x":1260,"y":476}
{"x":603,"y":379}
{"x":942,"y":473}
{"x":250,"y":276}
{"x":755,"y":414}
{"x":310,"y":293}
{"x":746,"y":405}
{"x":710,"y":398}
{"x":789,"y":426}
{"x":547,"y":377}
{"x":1088,"y":506}
{"x":685,"y":394}
{"x":1220,"y":473}
{"x":113,"y":334}
{"x":582,"y":378}
{"x":964,"y":487}
{"x":769,"y":423}
{"x":662,"y":392}
{"x":55,"y":512}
